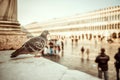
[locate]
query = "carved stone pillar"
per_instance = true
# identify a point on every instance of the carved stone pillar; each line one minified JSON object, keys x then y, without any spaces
{"x":11,"y":36}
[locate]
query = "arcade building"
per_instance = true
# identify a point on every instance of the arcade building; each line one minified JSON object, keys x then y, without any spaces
{"x":98,"y":24}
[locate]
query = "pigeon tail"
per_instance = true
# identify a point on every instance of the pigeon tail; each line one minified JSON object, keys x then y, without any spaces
{"x":17,"y":52}
{"x":14,"y":54}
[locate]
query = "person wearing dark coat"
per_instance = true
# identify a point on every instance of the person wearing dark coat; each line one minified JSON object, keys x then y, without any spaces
{"x":102,"y":61}
{"x":117,"y":63}
{"x":82,"y":51}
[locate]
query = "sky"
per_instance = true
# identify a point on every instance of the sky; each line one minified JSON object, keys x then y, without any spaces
{"x":42,"y":10}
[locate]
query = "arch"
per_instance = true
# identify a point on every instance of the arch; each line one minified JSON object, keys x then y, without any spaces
{"x":119,"y":35}
{"x":90,"y":36}
{"x":105,"y":27}
{"x":82,"y":36}
{"x":114,"y":35}
{"x":79,"y":37}
{"x":86,"y":36}
{"x":116,"y":26}
{"x":119,"y":26}
{"x":112,"y":26}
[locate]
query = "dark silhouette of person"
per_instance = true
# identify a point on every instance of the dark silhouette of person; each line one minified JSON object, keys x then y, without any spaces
{"x":51,"y":47}
{"x":62,"y":45}
{"x":82,"y":51}
{"x":87,"y":51}
{"x":102,"y":60}
{"x":117,"y":63}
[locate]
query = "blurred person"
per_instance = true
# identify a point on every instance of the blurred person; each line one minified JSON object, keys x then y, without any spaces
{"x":87,"y":51}
{"x":117,"y":63}
{"x":45,"y":51}
{"x":82,"y":51}
{"x":102,"y":60}
{"x":51,"y":45}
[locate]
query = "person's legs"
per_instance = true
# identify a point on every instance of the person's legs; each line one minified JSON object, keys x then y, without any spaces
{"x":87,"y":56}
{"x":106,"y":75}
{"x":82,"y":55}
{"x":117,"y":73}
{"x":51,"y":51}
{"x":100,"y":73}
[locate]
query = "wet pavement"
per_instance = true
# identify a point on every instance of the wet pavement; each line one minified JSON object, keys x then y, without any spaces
{"x":72,"y":57}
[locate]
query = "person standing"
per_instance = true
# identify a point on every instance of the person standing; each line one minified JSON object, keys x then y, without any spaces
{"x":102,"y":61}
{"x":82,"y":51}
{"x":117,"y":63}
{"x":51,"y":45}
{"x":87,"y":51}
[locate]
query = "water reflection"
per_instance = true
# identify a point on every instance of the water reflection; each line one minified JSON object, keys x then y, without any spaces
{"x":72,"y":57}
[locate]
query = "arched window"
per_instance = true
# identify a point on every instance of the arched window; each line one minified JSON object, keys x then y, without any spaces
{"x":79,"y":36}
{"x":119,"y":26}
{"x":114,"y":35}
{"x":105,"y":27}
{"x":86,"y":36}
{"x":82,"y":36}
{"x":112,"y":26}
{"x":90,"y":36}
{"x":116,"y":26}
{"x":108,"y":26}
{"x":118,"y":16}
{"x":119,"y":35}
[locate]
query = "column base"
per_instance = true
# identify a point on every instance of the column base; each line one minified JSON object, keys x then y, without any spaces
{"x":11,"y":42}
{"x":11,"y":36}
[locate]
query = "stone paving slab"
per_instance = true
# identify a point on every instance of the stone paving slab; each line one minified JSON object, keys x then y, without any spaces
{"x":27,"y":67}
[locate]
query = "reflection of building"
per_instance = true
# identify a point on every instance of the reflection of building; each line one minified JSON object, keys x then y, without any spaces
{"x":95,"y":24}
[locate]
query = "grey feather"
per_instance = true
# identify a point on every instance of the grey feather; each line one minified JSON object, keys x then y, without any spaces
{"x":33,"y":45}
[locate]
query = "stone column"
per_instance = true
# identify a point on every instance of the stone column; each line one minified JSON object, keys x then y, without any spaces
{"x":11,"y":36}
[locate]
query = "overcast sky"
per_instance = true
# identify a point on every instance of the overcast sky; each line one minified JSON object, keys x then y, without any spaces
{"x":41,"y":10}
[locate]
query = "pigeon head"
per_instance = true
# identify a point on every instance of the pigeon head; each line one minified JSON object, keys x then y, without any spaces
{"x":44,"y":34}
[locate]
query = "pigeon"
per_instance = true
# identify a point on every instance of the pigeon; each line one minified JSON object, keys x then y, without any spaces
{"x":33,"y":46}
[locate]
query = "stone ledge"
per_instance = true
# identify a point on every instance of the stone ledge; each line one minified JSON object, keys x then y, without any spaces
{"x":10,"y":22}
{"x":31,"y":68}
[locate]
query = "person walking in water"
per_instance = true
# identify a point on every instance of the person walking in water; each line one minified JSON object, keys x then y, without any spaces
{"x":87,"y":51}
{"x":102,"y":60}
{"x":82,"y":51}
{"x":117,"y":63}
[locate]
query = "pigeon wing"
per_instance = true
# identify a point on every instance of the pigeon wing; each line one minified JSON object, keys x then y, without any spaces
{"x":35,"y":44}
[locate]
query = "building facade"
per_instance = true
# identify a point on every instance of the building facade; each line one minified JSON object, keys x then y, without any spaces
{"x":103,"y":23}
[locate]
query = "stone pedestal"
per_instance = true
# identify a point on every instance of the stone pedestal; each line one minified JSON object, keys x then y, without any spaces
{"x":10,"y":42}
{"x":11,"y":36}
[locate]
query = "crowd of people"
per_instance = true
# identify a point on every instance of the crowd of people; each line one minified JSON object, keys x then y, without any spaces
{"x":54,"y":47}
{"x":102,"y":61}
